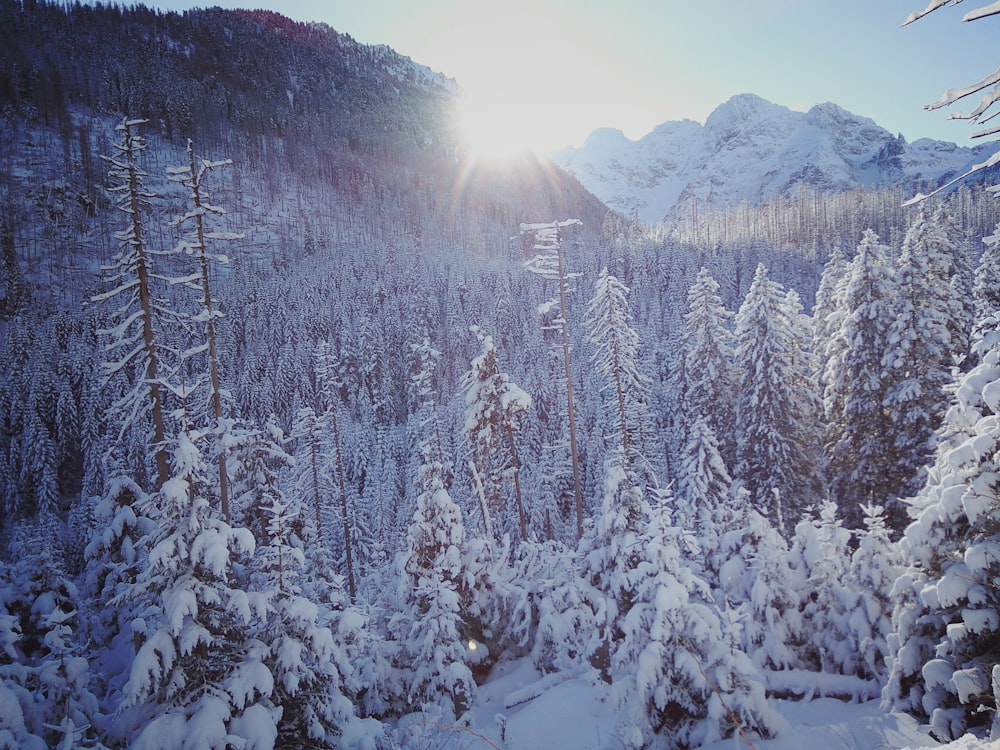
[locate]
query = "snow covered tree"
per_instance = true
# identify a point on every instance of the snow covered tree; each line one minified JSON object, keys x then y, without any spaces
{"x":43,"y":667}
{"x":750,"y":573}
{"x":874,"y":569}
{"x":327,"y":372}
{"x":133,"y":333}
{"x":616,"y":358}
{"x":259,"y":461}
{"x":709,"y":378}
{"x":821,"y":554}
{"x":192,"y":176}
{"x":774,"y":404}
{"x":545,"y":243}
{"x":704,"y":487}
{"x":494,"y":407}
{"x":308,"y":666}
{"x":946,"y":663}
{"x":113,"y":558}
{"x":925,"y":338}
{"x":429,"y":627}
{"x":678,"y":675}
{"x":987,"y":282}
{"x":859,"y":442}
{"x":311,"y":478}
{"x":197,"y":673}
{"x":803,"y":380}
{"x":826,"y":320}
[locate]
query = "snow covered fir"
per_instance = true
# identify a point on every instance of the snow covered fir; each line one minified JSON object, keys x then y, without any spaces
{"x":315,"y":433}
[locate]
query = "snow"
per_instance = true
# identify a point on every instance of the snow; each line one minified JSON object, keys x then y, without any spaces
{"x":518,"y":708}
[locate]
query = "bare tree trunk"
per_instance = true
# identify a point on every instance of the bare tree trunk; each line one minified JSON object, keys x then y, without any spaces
{"x":571,"y":411}
{"x":317,"y":501}
{"x":515,"y":464}
{"x":145,"y":302}
{"x":342,"y":479}
{"x":213,"y":360}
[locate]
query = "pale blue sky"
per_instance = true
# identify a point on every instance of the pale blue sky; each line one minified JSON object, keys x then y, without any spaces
{"x":555,"y":70}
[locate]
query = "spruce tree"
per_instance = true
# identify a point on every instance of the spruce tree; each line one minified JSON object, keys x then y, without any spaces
{"x":679,"y":676}
{"x":925,"y":340}
{"x":545,"y":243}
{"x":197,"y":672}
{"x":429,"y":628}
{"x":709,"y":376}
{"x":616,"y":358}
{"x":860,"y":439}
{"x":775,"y":405}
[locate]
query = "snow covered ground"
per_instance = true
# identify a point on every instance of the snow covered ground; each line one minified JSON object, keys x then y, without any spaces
{"x":519,"y":709}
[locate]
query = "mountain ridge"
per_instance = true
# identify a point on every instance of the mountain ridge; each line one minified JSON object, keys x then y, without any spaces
{"x":748,"y":150}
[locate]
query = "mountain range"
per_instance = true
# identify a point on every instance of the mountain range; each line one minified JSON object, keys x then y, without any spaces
{"x":748,"y":150}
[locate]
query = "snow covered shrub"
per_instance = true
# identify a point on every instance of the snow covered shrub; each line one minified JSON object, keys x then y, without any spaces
{"x":751,"y":571}
{"x":42,"y":665}
{"x":874,"y":568}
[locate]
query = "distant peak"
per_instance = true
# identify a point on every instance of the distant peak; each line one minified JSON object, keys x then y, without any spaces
{"x":605,"y":137}
{"x":742,"y":107}
{"x":830,"y":112}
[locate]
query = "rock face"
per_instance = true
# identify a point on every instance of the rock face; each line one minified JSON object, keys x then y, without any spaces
{"x":749,"y":149}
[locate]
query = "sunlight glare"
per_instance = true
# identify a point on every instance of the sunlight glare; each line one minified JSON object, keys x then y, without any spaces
{"x":494,"y":128}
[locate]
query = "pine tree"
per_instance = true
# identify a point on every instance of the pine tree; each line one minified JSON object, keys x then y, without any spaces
{"x":42,"y":653}
{"x":987,"y":284}
{"x":308,"y":665}
{"x":704,"y":487}
{"x":311,"y":478}
{"x":679,"y":676}
{"x":775,"y":404}
{"x":327,"y":372}
{"x":750,"y":570}
{"x":113,"y":558}
{"x":429,"y":628}
{"x":875,"y":567}
{"x":821,"y":554}
{"x":548,"y":261}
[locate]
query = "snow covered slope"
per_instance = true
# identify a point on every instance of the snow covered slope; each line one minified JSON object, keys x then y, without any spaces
{"x":748,"y":149}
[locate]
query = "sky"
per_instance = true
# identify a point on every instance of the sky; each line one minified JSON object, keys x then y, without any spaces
{"x":546,"y":73}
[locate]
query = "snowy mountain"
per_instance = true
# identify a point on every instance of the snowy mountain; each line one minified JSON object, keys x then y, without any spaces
{"x":750,"y":148}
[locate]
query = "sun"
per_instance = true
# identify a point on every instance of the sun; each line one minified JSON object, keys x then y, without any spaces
{"x":496,"y":128}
